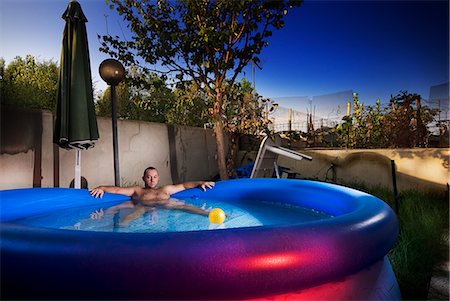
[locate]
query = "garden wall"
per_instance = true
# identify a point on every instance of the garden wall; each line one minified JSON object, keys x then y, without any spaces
{"x":30,"y":159}
{"x":422,"y":169}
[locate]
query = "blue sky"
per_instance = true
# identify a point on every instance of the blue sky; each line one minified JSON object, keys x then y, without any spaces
{"x":375,"y":48}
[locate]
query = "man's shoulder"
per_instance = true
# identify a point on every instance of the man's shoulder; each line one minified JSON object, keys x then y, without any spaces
{"x":136,"y":189}
{"x":168,"y":187}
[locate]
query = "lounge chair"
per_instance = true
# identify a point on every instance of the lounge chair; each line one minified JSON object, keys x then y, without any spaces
{"x":266,"y":160}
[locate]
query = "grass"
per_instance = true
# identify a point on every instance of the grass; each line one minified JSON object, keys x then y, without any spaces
{"x":422,"y":244}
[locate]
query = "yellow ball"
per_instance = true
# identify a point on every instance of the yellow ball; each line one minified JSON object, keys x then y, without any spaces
{"x":216,"y":216}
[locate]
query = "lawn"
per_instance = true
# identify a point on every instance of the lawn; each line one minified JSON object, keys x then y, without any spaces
{"x":421,"y":247}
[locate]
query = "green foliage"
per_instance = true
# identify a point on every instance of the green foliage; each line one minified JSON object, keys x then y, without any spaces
{"x":406,"y":121}
{"x":422,"y":244}
{"x":153,"y":100}
{"x":421,"y":247}
{"x":187,"y":105}
{"x":245,"y":112}
{"x":208,"y":42}
{"x":344,"y":131}
{"x":124,"y":107}
{"x":29,"y":83}
{"x":2,"y":69}
{"x":2,"y":77}
{"x":363,"y":128}
{"x":201,"y":39}
{"x":374,"y":124}
{"x":395,"y":126}
{"x":190,"y":106}
{"x":149,"y":102}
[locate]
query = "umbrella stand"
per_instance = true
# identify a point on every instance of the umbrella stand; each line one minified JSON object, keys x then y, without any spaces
{"x":77,"y":181}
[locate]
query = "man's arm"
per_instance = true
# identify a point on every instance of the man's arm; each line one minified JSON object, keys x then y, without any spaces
{"x":137,"y":213}
{"x":98,"y":214}
{"x":100,"y":190}
{"x":171,"y":189}
{"x":187,"y":208}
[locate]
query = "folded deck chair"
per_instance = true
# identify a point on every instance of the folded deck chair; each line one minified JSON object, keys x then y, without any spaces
{"x":266,"y":159}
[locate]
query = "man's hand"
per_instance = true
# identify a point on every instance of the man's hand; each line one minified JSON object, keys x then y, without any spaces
{"x":97,"y":214}
{"x":97,"y":192}
{"x":205,"y":185}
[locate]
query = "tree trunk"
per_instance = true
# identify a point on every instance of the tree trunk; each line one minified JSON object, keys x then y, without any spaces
{"x":220,"y":136}
{"x":221,"y":155}
{"x":234,"y":148}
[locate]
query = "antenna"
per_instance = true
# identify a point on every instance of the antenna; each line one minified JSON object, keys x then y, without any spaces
{"x":106,"y":21}
{"x":253,"y":73}
{"x":122,"y":31}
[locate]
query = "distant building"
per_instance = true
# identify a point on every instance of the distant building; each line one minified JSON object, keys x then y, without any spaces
{"x":280,"y":120}
{"x":332,"y":105}
{"x":439,"y":99}
{"x":327,"y":111}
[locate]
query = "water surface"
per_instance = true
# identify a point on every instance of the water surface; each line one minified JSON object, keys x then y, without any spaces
{"x":240,"y":214}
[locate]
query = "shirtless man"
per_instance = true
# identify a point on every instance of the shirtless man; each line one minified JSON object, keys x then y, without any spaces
{"x":150,"y":197}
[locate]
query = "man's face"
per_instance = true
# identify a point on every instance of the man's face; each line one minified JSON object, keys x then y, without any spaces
{"x":151,"y":178}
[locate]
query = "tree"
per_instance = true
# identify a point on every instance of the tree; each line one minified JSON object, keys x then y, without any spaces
{"x":374,"y":123}
{"x":363,"y":128}
{"x":405,"y":124}
{"x":190,"y":106}
{"x":402,"y":124}
{"x":150,"y":101}
{"x":30,"y":83}
{"x":245,"y":114}
{"x":209,"y":42}
{"x":2,"y":76}
{"x":123,"y":104}
{"x":2,"y":68}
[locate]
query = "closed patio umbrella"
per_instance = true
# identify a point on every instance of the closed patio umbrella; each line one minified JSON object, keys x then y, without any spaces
{"x":76,"y":123}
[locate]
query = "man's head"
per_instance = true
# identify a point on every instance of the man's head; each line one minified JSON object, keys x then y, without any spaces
{"x":150,"y":177}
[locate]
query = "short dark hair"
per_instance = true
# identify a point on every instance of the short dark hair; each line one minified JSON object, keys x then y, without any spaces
{"x":149,"y":168}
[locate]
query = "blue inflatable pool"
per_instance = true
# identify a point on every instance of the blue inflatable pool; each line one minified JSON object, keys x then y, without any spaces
{"x":343,"y":257}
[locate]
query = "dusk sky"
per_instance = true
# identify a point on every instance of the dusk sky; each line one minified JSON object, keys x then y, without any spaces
{"x":374,"y":48}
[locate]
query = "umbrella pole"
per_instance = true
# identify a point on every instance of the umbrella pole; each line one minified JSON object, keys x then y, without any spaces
{"x":77,"y":182}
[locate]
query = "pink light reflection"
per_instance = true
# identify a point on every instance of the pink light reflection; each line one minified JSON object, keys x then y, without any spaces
{"x":274,"y":261}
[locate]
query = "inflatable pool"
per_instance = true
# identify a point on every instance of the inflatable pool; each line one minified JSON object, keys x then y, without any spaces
{"x":343,"y":257}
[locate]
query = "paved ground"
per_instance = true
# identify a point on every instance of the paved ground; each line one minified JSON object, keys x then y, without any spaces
{"x":439,"y":286}
{"x":439,"y":289}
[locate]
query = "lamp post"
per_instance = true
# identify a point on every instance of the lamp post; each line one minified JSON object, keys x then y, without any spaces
{"x":113,"y":72}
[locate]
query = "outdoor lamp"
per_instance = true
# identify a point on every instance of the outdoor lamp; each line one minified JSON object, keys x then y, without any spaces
{"x":113,"y":72}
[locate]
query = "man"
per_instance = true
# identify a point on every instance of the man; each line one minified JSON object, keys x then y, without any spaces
{"x":149,"y":197}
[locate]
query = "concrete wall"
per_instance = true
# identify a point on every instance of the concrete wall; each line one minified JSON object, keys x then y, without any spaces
{"x":423,"y":169}
{"x":196,"y":154}
{"x":16,"y":171}
{"x":141,"y":144}
{"x":185,"y":153}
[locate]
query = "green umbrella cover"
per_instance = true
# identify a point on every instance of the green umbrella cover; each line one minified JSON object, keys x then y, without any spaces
{"x":76,"y":123}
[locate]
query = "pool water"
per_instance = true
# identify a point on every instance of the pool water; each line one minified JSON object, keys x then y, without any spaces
{"x":240,"y":214}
